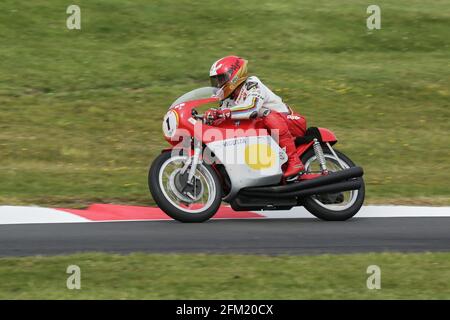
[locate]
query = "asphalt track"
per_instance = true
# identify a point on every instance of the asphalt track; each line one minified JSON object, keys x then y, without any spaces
{"x":256,"y":236}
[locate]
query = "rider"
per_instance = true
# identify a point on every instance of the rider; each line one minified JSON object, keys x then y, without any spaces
{"x":246,"y":97}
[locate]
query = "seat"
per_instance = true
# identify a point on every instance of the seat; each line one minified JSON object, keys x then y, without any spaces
{"x":310,"y":134}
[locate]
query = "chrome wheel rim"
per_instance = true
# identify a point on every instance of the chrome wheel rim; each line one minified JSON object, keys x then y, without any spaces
{"x":167,"y":173}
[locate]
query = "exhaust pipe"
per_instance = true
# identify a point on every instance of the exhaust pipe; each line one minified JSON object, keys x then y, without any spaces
{"x":330,"y":179}
{"x":329,"y":188}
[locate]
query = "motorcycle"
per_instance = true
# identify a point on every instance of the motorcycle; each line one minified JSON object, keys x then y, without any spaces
{"x":240,"y":163}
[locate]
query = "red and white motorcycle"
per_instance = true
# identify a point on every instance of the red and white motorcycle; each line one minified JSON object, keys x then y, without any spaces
{"x":240,"y":163}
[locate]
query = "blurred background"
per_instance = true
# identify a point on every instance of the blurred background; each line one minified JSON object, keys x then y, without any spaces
{"x":81,"y":110}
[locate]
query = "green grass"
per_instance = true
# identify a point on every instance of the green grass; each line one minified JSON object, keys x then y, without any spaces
{"x":148,"y":276}
{"x":80,"y":111}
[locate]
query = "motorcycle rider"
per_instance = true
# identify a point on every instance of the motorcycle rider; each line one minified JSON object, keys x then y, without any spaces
{"x":246,"y":97}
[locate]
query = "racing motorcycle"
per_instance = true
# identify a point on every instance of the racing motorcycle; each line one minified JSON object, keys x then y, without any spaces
{"x":240,"y":163}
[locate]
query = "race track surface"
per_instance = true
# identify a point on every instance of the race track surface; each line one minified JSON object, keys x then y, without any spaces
{"x":257,"y":236}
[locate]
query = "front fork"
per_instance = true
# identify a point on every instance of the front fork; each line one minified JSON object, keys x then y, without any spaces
{"x":193,"y":162}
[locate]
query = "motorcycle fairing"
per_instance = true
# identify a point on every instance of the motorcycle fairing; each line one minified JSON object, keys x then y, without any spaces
{"x":250,"y":161}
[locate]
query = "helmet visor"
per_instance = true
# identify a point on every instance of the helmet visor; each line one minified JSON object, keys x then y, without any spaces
{"x":219,"y":80}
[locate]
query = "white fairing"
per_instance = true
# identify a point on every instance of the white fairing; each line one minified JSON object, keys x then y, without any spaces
{"x":250,"y":161}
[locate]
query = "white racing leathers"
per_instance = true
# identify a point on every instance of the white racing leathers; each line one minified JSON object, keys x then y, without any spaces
{"x":254,"y":100}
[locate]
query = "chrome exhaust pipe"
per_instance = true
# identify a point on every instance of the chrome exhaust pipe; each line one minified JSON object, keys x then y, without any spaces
{"x":329,"y":179}
{"x":329,"y":188}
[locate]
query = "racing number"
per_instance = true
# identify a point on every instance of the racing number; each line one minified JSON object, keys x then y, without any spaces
{"x":170,"y":123}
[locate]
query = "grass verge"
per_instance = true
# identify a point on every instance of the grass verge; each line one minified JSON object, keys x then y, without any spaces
{"x":197,"y":276}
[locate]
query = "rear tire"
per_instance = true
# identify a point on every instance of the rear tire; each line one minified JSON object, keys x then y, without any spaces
{"x":332,"y":215}
{"x":168,"y":207}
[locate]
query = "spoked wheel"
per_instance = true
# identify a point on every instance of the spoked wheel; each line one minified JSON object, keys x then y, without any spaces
{"x":333,"y":206}
{"x":183,"y":200}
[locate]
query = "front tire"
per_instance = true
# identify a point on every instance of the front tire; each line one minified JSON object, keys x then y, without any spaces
{"x":330,"y":212}
{"x":161,"y":187}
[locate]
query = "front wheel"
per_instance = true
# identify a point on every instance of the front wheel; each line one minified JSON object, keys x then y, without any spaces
{"x":196,"y":201}
{"x":338,"y":206}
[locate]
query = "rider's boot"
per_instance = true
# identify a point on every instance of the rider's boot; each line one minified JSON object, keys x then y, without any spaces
{"x":294,"y":168}
{"x":294,"y":165}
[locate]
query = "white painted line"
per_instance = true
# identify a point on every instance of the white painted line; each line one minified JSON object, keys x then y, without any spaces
{"x":296,"y":212}
{"x":22,"y":215}
{"x":369,"y":212}
{"x":402,"y":211}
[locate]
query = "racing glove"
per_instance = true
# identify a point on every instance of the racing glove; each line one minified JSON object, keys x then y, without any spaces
{"x":213,"y":114}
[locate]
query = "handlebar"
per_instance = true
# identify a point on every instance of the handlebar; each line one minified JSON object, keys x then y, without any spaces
{"x":198,"y":116}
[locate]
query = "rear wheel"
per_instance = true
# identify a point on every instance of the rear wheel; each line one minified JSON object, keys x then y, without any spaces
{"x":197,"y":201}
{"x":337,"y":206}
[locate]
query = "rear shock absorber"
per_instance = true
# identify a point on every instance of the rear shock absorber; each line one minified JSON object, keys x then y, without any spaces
{"x":320,"y":156}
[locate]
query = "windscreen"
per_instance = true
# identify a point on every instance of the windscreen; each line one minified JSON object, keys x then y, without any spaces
{"x":197,"y":94}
